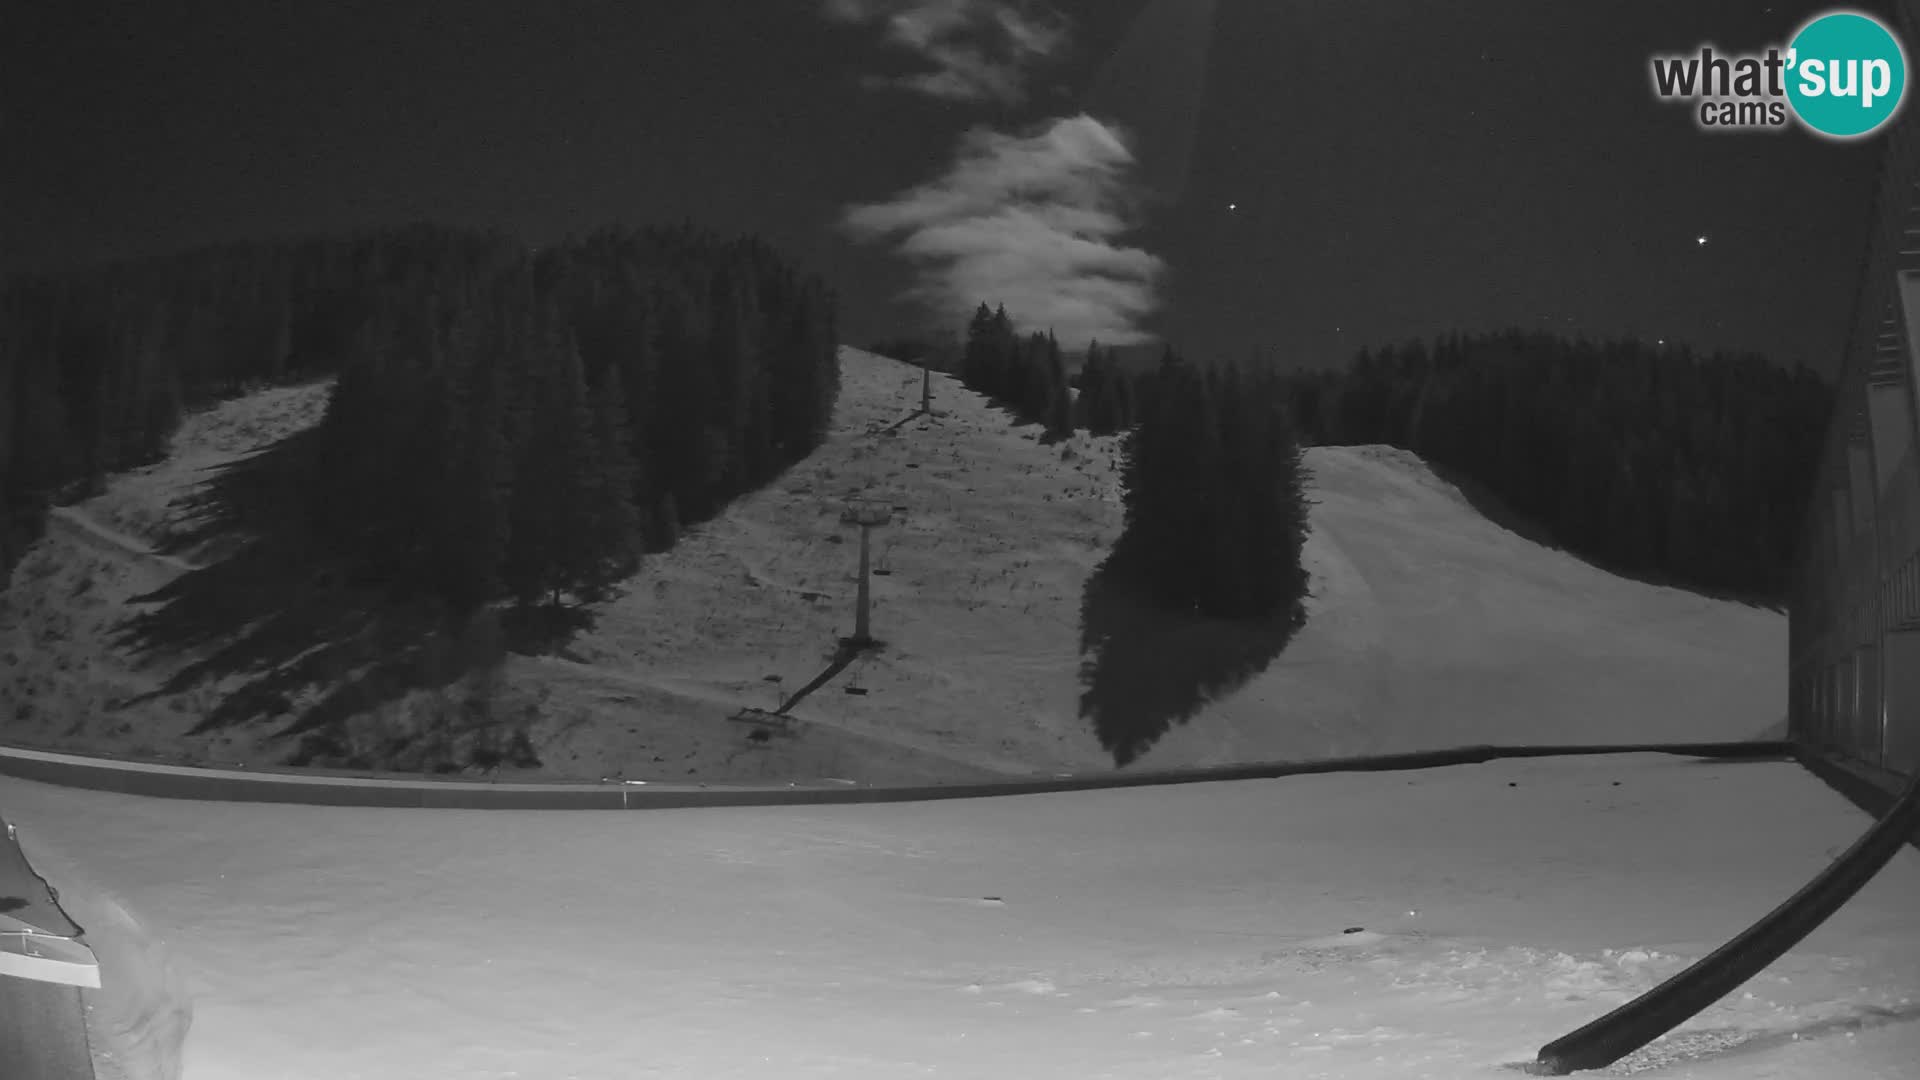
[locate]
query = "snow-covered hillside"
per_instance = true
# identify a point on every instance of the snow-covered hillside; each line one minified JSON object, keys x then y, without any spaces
{"x":1430,"y":626}
{"x":65,"y":680}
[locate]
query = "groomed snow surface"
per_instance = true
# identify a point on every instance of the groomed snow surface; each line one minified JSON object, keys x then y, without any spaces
{"x":1188,"y":931}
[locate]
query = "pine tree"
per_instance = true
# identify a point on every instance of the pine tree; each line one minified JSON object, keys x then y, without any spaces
{"x":667,"y":518}
{"x":1126,"y":391}
{"x":1003,"y":358}
{"x":617,"y":480}
{"x":1059,"y":406}
{"x":1287,"y":524}
{"x":824,"y":346}
{"x":730,"y":356}
{"x":279,"y":345}
{"x":1024,"y":364}
{"x":976,"y":360}
{"x":1213,"y":494}
{"x":43,"y":456}
{"x":1160,"y":501}
{"x":554,"y":544}
{"x":681,"y":446}
{"x":474,"y":499}
{"x":1098,"y":405}
{"x":1265,"y":458}
{"x":1217,"y":535}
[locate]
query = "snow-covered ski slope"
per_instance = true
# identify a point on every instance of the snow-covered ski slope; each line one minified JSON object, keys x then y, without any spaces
{"x":1175,"y":932}
{"x":1430,"y":626}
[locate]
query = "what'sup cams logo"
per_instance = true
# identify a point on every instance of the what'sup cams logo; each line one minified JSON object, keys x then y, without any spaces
{"x":1842,"y":76}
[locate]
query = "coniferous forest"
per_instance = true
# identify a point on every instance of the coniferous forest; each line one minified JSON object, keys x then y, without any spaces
{"x":1107,"y":394}
{"x":505,"y":422}
{"x":1214,"y":488}
{"x":1027,"y":375}
{"x":1215,"y":495}
{"x":1648,"y":460}
{"x":1206,"y":583}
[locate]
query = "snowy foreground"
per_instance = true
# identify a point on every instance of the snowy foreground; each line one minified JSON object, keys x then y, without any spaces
{"x":1177,"y":932}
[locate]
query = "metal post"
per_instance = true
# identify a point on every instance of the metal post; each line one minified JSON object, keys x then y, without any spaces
{"x":1873,"y":683}
{"x":867,"y":514}
{"x":860,"y":628}
{"x":926,"y":390}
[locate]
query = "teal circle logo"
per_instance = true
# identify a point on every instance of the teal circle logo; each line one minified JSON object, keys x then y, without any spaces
{"x":1846,"y":74}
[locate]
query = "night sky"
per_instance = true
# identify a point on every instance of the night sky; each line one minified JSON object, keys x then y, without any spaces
{"x":1397,"y":168}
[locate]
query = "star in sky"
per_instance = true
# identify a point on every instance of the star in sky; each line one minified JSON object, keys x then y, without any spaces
{"x":1700,"y":240}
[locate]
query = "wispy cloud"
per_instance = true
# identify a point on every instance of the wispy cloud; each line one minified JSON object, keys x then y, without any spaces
{"x":1032,"y":221}
{"x":978,"y":50}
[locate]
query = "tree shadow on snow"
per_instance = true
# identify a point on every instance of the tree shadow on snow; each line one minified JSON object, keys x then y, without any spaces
{"x":1145,"y":669}
{"x":288,"y":632}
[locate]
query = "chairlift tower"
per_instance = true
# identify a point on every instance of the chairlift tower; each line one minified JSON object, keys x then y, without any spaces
{"x":868,"y":514}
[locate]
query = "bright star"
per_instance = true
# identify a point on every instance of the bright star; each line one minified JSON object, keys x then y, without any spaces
{"x":1701,"y":240}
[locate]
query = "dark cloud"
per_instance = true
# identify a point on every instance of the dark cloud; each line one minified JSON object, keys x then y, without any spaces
{"x":978,"y":50}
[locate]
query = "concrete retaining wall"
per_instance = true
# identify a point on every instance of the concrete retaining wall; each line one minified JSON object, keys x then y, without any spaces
{"x":344,"y":789}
